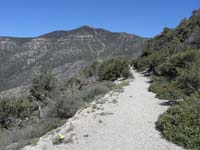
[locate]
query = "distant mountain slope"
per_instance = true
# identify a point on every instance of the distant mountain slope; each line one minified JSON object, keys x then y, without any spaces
{"x":63,"y":52}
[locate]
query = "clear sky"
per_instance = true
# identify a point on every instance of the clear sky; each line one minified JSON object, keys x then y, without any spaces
{"x":146,"y":18}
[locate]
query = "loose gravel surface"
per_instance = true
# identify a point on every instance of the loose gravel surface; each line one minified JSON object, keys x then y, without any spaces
{"x":118,"y":121}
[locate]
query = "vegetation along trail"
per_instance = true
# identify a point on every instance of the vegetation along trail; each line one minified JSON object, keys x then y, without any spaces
{"x":118,"y":121}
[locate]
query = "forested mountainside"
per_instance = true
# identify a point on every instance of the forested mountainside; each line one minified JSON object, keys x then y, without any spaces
{"x":63,"y":52}
{"x":173,"y":61}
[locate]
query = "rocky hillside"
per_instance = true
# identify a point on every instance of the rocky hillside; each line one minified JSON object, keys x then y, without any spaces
{"x":63,"y":52}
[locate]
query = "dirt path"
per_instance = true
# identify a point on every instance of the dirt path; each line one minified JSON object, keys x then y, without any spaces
{"x":118,"y":121}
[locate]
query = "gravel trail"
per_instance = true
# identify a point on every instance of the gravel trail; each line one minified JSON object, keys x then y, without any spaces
{"x":118,"y":121}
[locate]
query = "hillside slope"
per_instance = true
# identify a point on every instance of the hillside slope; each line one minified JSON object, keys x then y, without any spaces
{"x":119,"y":121}
{"x":173,"y":61}
{"x":63,"y":52}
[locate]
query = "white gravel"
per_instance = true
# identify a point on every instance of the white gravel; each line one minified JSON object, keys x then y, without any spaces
{"x":128,"y":124}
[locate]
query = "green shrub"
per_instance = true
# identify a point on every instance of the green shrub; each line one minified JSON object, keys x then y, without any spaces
{"x":166,"y":89}
{"x":167,"y":69}
{"x":181,"y":124}
{"x":14,"y":108}
{"x":67,"y":105}
{"x":110,"y":69}
{"x":151,"y":61}
{"x":43,"y":85}
{"x":91,"y":91}
{"x":189,"y":79}
{"x":178,"y":76}
{"x":29,"y":134}
{"x":119,"y":87}
{"x":114,"y":68}
{"x":91,"y":70}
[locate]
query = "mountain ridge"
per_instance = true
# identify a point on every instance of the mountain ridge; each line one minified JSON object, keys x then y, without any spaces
{"x":83,"y":27}
{"x":63,"y":52}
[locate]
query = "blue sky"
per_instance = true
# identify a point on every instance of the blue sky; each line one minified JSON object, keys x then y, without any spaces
{"x":24,"y":18}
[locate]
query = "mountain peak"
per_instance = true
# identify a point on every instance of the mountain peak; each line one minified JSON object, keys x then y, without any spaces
{"x":61,"y":33}
{"x":86,"y":27}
